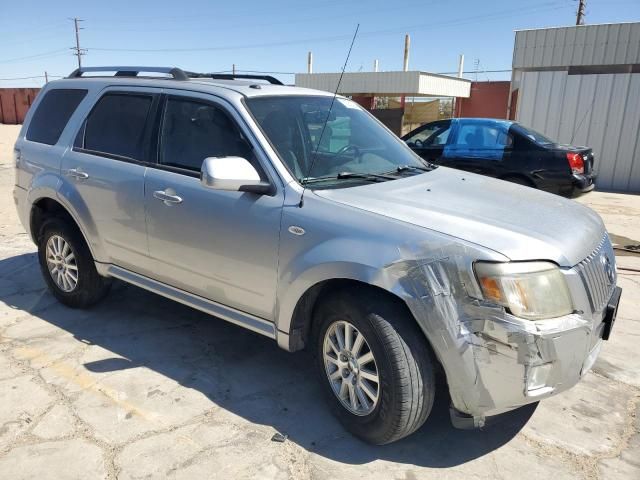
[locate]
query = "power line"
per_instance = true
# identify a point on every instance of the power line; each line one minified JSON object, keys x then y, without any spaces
{"x":239,"y":14}
{"x":207,"y":49}
{"x":552,"y":5}
{"x":22,"y":78}
{"x":32,"y":39}
{"x":31,"y":78}
{"x":506,"y":70}
{"x":37,"y":55}
{"x":259,"y":71}
{"x":26,"y":27}
{"x":288,"y":21}
{"x":265,"y":72}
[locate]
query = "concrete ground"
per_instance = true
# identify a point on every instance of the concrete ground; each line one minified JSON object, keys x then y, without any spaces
{"x":142,"y":387}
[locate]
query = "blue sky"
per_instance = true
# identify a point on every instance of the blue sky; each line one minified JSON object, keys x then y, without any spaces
{"x":275,"y":35}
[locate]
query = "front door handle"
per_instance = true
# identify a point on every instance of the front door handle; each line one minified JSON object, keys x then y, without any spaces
{"x":77,"y":174}
{"x":168,"y":198}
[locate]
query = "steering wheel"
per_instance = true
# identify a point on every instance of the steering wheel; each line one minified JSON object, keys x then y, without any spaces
{"x":346,"y":148}
{"x":418,"y":143}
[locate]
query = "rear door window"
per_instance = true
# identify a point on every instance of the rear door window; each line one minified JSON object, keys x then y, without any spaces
{"x":53,"y":113}
{"x":116,"y":126}
{"x":480,"y":140}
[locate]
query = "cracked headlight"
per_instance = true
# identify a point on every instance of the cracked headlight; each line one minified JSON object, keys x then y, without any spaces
{"x":530,"y":290}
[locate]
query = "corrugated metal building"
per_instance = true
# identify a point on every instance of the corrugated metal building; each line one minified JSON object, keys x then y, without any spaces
{"x":581,"y":85}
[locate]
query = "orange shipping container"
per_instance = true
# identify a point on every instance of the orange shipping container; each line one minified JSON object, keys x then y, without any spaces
{"x":14,"y":104}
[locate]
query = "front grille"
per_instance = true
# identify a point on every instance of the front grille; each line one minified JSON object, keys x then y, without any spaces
{"x":598,"y":274}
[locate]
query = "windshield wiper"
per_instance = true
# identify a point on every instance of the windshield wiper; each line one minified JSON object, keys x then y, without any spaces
{"x":404,"y":168}
{"x":366,"y":176}
{"x":407,"y":168}
{"x":372,"y":177}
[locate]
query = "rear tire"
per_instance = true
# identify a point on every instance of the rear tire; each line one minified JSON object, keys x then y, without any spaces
{"x":67,"y":265}
{"x":396,"y":353}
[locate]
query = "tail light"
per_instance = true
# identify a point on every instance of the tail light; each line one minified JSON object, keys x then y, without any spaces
{"x":576,"y":163}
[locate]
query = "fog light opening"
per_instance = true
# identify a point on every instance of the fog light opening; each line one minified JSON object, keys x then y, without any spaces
{"x":537,"y":378}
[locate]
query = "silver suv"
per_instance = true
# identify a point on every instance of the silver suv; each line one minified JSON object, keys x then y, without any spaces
{"x":296,"y":214}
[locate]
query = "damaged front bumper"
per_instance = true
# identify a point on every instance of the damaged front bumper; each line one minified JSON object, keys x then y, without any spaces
{"x":511,"y":363}
{"x":495,"y":362}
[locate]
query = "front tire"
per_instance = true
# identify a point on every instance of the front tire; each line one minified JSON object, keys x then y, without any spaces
{"x":67,"y":265}
{"x":375,"y":365}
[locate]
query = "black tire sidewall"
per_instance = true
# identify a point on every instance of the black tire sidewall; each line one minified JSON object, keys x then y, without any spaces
{"x":376,"y":425}
{"x":85,"y":290}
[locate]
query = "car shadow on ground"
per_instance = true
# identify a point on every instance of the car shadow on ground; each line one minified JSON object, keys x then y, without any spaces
{"x":237,"y":370}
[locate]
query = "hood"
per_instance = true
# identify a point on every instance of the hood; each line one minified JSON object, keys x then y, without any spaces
{"x":518,"y":222}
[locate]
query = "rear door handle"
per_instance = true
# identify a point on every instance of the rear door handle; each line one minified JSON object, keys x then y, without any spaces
{"x":167,"y":198}
{"x":77,"y":174}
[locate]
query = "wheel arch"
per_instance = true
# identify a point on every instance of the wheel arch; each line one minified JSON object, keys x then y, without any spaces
{"x":46,"y":207}
{"x":301,"y":321}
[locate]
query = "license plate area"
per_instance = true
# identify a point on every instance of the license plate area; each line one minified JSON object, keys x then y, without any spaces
{"x":610,"y":313}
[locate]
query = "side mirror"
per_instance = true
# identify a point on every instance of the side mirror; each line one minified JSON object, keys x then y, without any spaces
{"x":233,"y":174}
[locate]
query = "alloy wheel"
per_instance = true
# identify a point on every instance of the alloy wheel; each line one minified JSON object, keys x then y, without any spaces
{"x":351,"y":368}
{"x":62,"y":264}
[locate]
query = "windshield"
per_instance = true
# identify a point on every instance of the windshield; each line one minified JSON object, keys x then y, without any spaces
{"x":532,"y":135}
{"x":354,"y":147}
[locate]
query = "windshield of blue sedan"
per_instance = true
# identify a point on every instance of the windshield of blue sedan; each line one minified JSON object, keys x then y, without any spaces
{"x":332,"y":145}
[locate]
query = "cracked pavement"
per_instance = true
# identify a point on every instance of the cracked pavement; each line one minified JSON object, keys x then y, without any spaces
{"x":143,"y":387}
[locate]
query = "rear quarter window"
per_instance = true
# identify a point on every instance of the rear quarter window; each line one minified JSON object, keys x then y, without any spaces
{"x":52,"y":114}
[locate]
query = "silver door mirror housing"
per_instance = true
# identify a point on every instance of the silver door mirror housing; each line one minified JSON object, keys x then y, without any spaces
{"x":233,"y":174}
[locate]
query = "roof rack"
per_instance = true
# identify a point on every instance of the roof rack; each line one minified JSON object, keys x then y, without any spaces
{"x":229,"y":76}
{"x":176,"y":73}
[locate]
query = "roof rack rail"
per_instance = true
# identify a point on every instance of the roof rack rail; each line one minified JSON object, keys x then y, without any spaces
{"x":176,"y":73}
{"x":229,"y":76}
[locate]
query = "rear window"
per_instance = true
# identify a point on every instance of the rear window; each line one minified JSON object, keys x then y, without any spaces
{"x":52,"y":115}
{"x":537,"y":137}
{"x":116,"y":125}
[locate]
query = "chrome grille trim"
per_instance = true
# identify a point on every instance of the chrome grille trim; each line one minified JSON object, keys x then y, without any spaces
{"x":594,"y":276}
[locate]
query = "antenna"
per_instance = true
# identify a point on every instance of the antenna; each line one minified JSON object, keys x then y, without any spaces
{"x":324,"y":125}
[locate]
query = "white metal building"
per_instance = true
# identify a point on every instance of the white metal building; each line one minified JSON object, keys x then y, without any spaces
{"x":581,"y":85}
{"x":389,"y":84}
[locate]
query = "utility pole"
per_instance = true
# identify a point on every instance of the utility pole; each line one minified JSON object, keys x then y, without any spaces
{"x":460,"y":65}
{"x":310,"y":62}
{"x":46,"y":77}
{"x":79,"y":51}
{"x":233,"y":69}
{"x":407,"y":44}
{"x":580,"y":16}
